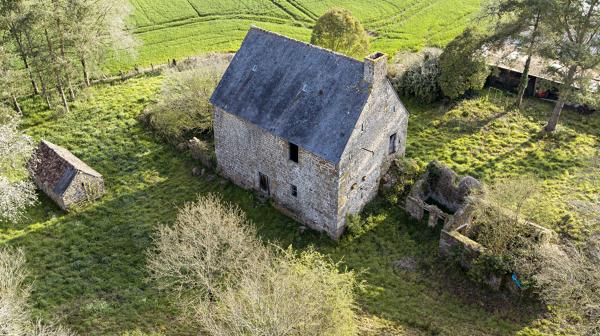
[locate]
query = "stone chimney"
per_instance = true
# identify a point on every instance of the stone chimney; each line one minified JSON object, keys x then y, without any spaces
{"x":375,"y":68}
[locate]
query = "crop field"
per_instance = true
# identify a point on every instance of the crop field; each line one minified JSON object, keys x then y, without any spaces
{"x":181,"y":28}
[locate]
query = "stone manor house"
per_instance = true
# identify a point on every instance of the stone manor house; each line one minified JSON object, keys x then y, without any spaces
{"x":310,"y":128}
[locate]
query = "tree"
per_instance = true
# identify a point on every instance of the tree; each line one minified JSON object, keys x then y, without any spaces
{"x":15,"y":27}
{"x":11,"y":78}
{"x":16,"y":191}
{"x":226,"y":279}
{"x":56,"y":39}
{"x":573,"y":41}
{"x":15,"y":316}
{"x":338,"y":30}
{"x":462,"y":65}
{"x":420,"y":80}
{"x":521,"y":22}
{"x":97,"y":28}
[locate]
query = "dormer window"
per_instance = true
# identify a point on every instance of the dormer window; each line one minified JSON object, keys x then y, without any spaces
{"x":293,"y":152}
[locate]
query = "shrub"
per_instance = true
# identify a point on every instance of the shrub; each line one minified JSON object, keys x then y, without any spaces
{"x":420,"y":79}
{"x":309,"y":294}
{"x":15,"y":319}
{"x":16,"y":191}
{"x":566,"y":276}
{"x":226,"y":280}
{"x":404,"y":173}
{"x":183,"y":109}
{"x":500,"y":210}
{"x":462,"y":65}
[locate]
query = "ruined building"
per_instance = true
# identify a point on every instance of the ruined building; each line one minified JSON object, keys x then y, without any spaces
{"x":63,"y":177}
{"x":310,"y":128}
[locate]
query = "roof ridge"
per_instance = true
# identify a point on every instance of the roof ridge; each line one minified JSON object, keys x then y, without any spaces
{"x":335,"y":53}
{"x":70,"y":159}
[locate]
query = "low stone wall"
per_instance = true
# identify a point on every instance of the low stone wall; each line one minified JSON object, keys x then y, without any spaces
{"x":454,"y":242}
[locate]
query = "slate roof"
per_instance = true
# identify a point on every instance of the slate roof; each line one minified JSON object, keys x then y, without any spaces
{"x":307,"y":95}
{"x":55,"y":167}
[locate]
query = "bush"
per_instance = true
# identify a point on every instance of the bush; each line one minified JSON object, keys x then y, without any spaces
{"x":501,"y":209}
{"x":225,"y":279}
{"x":462,"y":65}
{"x":15,"y":319}
{"x":17,"y":192}
{"x":566,"y":276}
{"x":403,"y":174}
{"x":183,"y":109}
{"x":309,"y":294}
{"x":420,"y":79}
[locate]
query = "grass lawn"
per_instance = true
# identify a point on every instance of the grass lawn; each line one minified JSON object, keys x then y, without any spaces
{"x":181,"y":28}
{"x":88,"y":266}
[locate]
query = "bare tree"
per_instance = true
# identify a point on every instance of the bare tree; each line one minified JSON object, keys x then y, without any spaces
{"x":15,"y":317}
{"x":226,"y":280}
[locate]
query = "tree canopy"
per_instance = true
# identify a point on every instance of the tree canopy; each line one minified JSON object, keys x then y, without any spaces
{"x":339,"y":31}
{"x":462,"y":65}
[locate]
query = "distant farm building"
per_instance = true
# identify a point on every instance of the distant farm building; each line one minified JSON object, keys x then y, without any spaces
{"x":509,"y":64}
{"x":63,"y":177}
{"x":310,"y":128}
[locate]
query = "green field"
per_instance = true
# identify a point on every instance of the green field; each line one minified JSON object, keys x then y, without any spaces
{"x":88,"y":266}
{"x":181,"y":28}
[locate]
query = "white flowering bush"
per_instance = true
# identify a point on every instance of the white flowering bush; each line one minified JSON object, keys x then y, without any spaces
{"x":17,"y":192}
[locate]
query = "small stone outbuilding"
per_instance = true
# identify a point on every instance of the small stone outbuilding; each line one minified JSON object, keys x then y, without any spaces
{"x":312,"y":129}
{"x":63,"y":177}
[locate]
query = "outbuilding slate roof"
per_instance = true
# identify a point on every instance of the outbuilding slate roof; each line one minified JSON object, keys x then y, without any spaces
{"x":55,"y":167}
{"x":307,"y":95}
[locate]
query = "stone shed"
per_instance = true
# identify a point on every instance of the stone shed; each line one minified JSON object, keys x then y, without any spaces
{"x":312,"y":129}
{"x":63,"y":177}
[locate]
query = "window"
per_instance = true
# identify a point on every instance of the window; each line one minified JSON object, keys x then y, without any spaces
{"x":294,"y":152}
{"x":263,"y":181}
{"x":392,"y":146}
{"x":294,"y":191}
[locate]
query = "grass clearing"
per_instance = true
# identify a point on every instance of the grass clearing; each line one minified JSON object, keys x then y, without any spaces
{"x":89,"y":265}
{"x":182,"y":28}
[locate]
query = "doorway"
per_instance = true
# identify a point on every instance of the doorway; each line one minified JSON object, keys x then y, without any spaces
{"x":263,"y":182}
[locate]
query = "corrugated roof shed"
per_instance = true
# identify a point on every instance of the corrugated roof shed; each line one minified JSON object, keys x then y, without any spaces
{"x":304,"y":94}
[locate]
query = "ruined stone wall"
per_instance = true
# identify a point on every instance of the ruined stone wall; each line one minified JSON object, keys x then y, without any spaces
{"x":366,"y":157}
{"x":83,"y":188}
{"x":243,"y":150}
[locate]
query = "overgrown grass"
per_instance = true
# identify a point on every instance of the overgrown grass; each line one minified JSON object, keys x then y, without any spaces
{"x":89,"y":265}
{"x":177,"y":29}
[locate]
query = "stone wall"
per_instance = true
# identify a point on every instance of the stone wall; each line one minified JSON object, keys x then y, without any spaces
{"x":366,"y":158}
{"x":82,"y":189}
{"x":244,"y":150}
